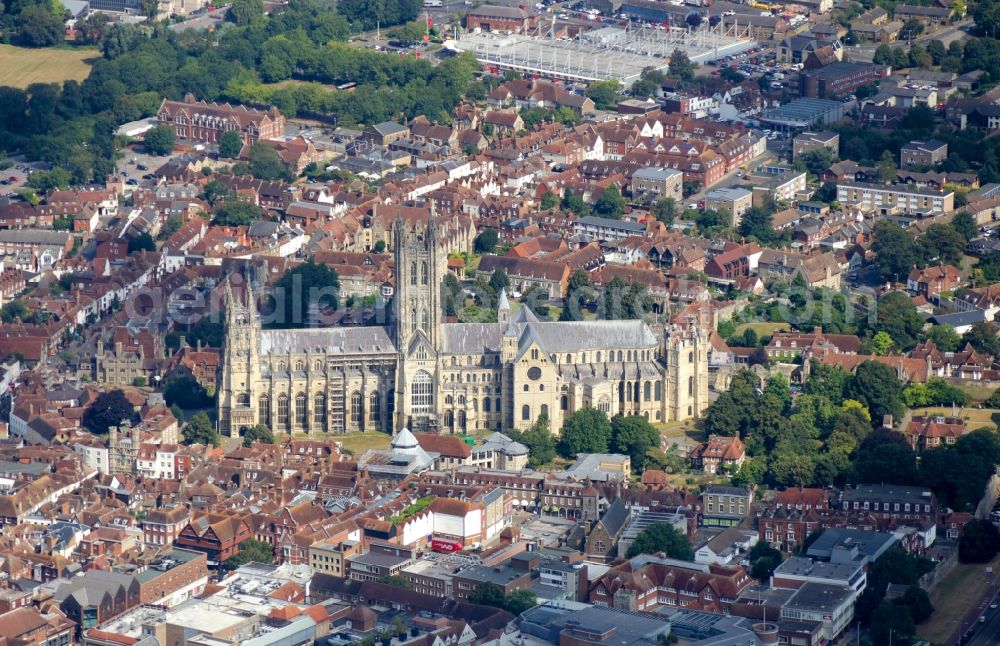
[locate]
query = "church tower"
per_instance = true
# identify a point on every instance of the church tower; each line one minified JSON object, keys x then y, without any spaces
{"x":686,"y":350}
{"x":417,"y":312}
{"x":241,"y":363}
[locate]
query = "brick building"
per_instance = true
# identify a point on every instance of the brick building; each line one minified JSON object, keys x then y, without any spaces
{"x":205,"y":122}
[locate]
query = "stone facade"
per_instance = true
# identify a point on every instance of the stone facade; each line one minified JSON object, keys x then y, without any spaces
{"x":423,"y":374}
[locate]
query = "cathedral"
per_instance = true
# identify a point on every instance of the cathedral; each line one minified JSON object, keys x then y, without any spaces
{"x":427,"y":375}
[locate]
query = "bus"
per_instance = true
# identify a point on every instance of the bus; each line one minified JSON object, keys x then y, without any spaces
{"x":433,"y":3}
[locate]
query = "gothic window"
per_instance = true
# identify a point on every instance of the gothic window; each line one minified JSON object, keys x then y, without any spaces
{"x":461,"y":419}
{"x":355,"y":407}
{"x":461,"y":400}
{"x":691,"y":385}
{"x":541,"y":387}
{"x":635,"y":390}
{"x":545,"y":410}
{"x":619,"y":355}
{"x":659,"y":390}
{"x":413,"y":273}
{"x":449,"y":419}
{"x":281,"y":366}
{"x":564,"y":402}
{"x":424,"y":321}
{"x":496,"y":403}
{"x":319,"y":409}
{"x":243,"y":400}
{"x":300,"y":410}
{"x":423,"y":273}
{"x":318,"y":365}
{"x":475,"y":405}
{"x":448,"y":400}
{"x":598,"y":356}
{"x":422,"y":391}
{"x":299,"y":366}
{"x":534,"y":354}
{"x":486,"y":405}
{"x":647,"y":390}
{"x":283,"y":411}
{"x":374,"y":408}
{"x":690,"y":357}
{"x":413,"y":319}
{"x":526,"y":413}
{"x":264,"y":410}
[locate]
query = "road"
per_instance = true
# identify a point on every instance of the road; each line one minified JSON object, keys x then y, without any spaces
{"x":984,"y":633}
{"x":865,"y":53}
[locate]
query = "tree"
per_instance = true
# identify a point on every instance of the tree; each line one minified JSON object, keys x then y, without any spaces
{"x":817,"y":160}
{"x":887,"y":167}
{"x":756,"y":223}
{"x":610,"y":204}
{"x":896,"y":250}
{"x":942,"y":244}
{"x":310,"y":287}
{"x":549,"y":200}
{"x":965,"y":224}
{"x":39,"y":27}
{"x":897,"y":316}
{"x":186,"y":392}
{"x":201,"y":430}
{"x":665,"y":210}
{"x":264,"y":162}
{"x":150,"y":9}
{"x":538,"y":438}
{"x":499,"y":281}
{"x":662,"y":537}
{"x":142,"y":242}
{"x":892,"y":622}
{"x":488,"y":594}
{"x":763,"y":560}
{"x":586,"y":430}
{"x":881,"y":343}
{"x":604,"y":93}
{"x":681,"y":67}
{"x":230,"y":144}
{"x":244,"y":12}
{"x":944,"y":337}
{"x":159,"y":140}
{"x":258,"y":433}
{"x":251,"y":551}
{"x":916,"y":599}
{"x":517,"y":601}
{"x":486,"y":241}
{"x":979,"y":543}
{"x":983,"y":338}
{"x":885,"y":452}
{"x":109,"y":409}
{"x":877,"y":387}
{"x":633,"y":436}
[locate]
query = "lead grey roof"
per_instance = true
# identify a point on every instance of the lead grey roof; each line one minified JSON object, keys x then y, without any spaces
{"x":325,"y":340}
{"x":552,"y":336}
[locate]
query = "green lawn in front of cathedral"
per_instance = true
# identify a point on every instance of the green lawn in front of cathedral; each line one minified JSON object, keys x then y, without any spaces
{"x":358,"y":443}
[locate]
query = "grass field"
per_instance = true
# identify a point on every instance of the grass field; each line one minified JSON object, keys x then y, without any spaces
{"x":763,"y":328}
{"x":975,"y":417}
{"x":358,"y":443}
{"x":20,"y":67}
{"x":953,"y":597}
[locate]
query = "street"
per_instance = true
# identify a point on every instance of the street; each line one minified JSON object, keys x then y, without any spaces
{"x":984,"y":633}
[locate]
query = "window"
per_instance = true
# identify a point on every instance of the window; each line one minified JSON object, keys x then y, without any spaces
{"x":486,"y":405}
{"x":300,"y":410}
{"x":423,"y":273}
{"x":319,"y":409}
{"x":413,"y":273}
{"x":243,"y":400}
{"x":659,"y":390}
{"x":283,"y":410}
{"x":374,"y":408}
{"x":534,"y":373}
{"x":545,"y":410}
{"x":691,"y":385}
{"x":422,"y":393}
{"x":564,"y":402}
{"x":647,"y":390}
{"x":526,"y":413}
{"x":355,"y":407}
{"x":461,"y":419}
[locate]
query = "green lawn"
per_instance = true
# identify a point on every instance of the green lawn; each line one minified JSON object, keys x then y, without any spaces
{"x":763,"y":328}
{"x":358,"y":443}
{"x":20,"y":66}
